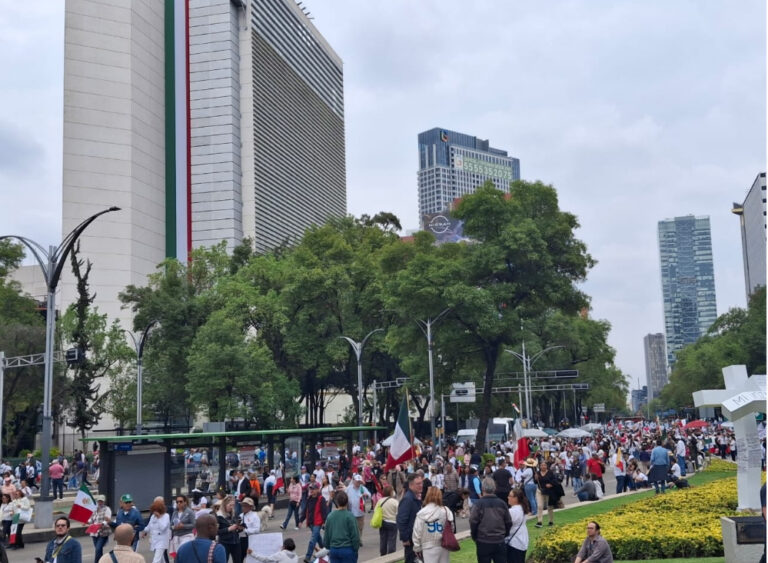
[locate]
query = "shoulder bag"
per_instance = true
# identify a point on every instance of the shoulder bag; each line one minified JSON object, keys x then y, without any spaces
{"x":448,"y":541}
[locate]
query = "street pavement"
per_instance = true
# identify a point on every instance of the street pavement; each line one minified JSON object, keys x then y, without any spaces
{"x":369,"y":551}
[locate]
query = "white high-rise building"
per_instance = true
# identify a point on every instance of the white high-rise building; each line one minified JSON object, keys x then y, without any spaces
{"x":752,"y":221}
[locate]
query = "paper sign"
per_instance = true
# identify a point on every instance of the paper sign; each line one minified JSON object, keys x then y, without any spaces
{"x":265,"y":544}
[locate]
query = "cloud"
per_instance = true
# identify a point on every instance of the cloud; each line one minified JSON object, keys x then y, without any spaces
{"x":19,"y":154}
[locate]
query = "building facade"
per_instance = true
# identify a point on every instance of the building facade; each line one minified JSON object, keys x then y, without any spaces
{"x":204,"y":121}
{"x":753,"y":224}
{"x":655,"y":364}
{"x":452,"y":165}
{"x":639,"y":398}
{"x":687,"y":281}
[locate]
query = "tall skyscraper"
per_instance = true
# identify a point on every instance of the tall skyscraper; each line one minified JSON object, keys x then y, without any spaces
{"x":655,"y":364}
{"x":752,"y":218}
{"x":687,"y":281}
{"x":205,"y":121}
{"x":452,"y":165}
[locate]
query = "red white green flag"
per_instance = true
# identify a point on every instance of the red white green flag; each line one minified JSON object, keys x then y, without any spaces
{"x":401,"y":448}
{"x":84,"y":506}
{"x":14,"y":528}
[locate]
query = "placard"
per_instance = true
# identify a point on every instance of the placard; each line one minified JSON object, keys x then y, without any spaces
{"x":265,"y":544}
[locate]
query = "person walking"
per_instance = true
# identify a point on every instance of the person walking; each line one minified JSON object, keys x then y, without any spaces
{"x":103,"y":516}
{"x":23,"y":507}
{"x":409,"y":506}
{"x":529,"y":484}
{"x":182,"y":524}
{"x":204,"y":547}
{"x":549,"y":493}
{"x":250,"y":524}
{"x":229,"y":529}
{"x":129,"y":514}
{"x":428,"y":528}
{"x":317,"y":512}
{"x":62,"y":548}
{"x":503,"y":480}
{"x":356,"y":494}
{"x":517,"y":540}
{"x":489,"y":524}
{"x":294,"y":501}
{"x":159,"y":530}
{"x":6,"y":515}
{"x":342,"y":537}
{"x":594,"y":549}
{"x":56,"y":473}
{"x":659,"y":467}
{"x":388,"y":530}
{"x":122,"y":552}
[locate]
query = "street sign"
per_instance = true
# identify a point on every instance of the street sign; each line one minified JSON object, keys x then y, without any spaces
{"x":463,"y":392}
{"x":598,"y":407}
{"x":123,"y":447}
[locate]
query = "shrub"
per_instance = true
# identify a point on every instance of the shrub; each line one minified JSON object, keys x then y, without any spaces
{"x":720,"y":465}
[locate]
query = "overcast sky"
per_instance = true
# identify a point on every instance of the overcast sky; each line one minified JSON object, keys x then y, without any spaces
{"x":635,"y":111}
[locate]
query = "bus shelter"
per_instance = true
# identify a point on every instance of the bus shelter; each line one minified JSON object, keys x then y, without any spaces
{"x":152,"y":465}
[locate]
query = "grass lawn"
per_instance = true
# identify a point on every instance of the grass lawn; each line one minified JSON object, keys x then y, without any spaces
{"x":467,"y":553}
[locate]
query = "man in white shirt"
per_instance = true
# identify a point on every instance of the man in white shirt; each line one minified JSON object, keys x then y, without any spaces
{"x":680,"y":453}
{"x":251,"y":523}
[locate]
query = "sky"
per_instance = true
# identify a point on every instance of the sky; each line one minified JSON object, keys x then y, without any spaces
{"x":635,"y":111}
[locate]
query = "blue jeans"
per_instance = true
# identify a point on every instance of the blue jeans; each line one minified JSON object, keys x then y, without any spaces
{"x":98,"y":545}
{"x":583,"y":496}
{"x":343,"y":555}
{"x":315,"y":539}
{"x":620,"y":483}
{"x":58,"y":485}
{"x":293,"y":508}
{"x":681,"y":463}
{"x":530,"y":493}
{"x":577,"y":483}
{"x":663,"y":486}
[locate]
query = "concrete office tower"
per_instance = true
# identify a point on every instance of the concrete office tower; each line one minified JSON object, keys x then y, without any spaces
{"x":452,"y":165}
{"x":752,"y":218}
{"x":687,"y":281}
{"x":205,"y":121}
{"x":655,"y":364}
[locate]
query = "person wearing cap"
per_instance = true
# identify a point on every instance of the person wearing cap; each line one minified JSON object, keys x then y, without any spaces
{"x":250,"y":523}
{"x":182,"y":524}
{"x":129,"y":514}
{"x":529,"y":485}
{"x":317,"y":512}
{"x":102,"y":516}
{"x":357,"y":494}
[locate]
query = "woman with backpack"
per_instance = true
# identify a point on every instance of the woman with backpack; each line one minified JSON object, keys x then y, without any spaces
{"x":388,"y":529}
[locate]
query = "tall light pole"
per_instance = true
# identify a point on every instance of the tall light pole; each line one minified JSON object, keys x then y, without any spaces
{"x":138,"y":345}
{"x":528,"y":362}
{"x":358,"y":349}
{"x":426,"y":328}
{"x":51,"y":262}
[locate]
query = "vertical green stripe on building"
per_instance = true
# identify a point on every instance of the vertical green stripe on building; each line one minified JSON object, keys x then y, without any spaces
{"x":170,"y":132}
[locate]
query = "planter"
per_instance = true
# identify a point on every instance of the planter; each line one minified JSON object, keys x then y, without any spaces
{"x":743,"y":538}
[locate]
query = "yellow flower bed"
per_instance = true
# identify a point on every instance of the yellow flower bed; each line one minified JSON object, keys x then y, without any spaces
{"x":718,"y":464}
{"x":681,"y":523}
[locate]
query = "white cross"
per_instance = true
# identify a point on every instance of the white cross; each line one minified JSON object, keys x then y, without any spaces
{"x":741,"y":399}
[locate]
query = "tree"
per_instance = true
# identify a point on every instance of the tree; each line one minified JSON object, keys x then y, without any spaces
{"x":524,"y":261}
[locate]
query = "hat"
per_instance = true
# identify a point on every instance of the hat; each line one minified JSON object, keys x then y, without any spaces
{"x":315,"y":486}
{"x":99,"y":498}
{"x":357,"y":477}
{"x":530,"y":462}
{"x":126,"y":498}
{"x":248,"y":501}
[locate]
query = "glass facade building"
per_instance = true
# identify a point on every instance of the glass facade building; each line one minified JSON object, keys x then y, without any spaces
{"x":655,"y":364}
{"x":752,"y":221}
{"x":452,"y":165}
{"x":687,"y":281}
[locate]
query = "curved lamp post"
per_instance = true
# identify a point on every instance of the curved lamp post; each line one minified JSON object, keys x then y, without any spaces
{"x":358,"y":349}
{"x":138,"y":345}
{"x":51,"y":262}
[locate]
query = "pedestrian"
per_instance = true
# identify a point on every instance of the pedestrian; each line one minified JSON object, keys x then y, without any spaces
{"x":659,"y":467}
{"x":250,"y":524}
{"x":159,"y":530}
{"x":489,"y":524}
{"x":102,"y":516}
{"x":294,"y":501}
{"x":388,"y":530}
{"x":63,"y":548}
{"x":619,"y":471}
{"x":596,"y":468}
{"x":129,"y":514}
{"x":428,"y":528}
{"x":409,"y":506}
{"x":23,"y":508}
{"x":122,"y":552}
{"x":529,"y":484}
{"x":229,"y":529}
{"x":56,"y":473}
{"x":517,"y":540}
{"x":203,"y":548}
{"x":182,"y":524}
{"x":594,"y":549}
{"x":502,"y":478}
{"x":342,"y":537}
{"x":357,"y":494}
{"x":6,"y":516}
{"x":549,"y":493}
{"x":317,"y":512}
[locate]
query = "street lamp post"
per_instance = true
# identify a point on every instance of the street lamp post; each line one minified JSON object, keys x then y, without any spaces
{"x":358,"y":349}
{"x":426,"y":328}
{"x":139,"y":347}
{"x":528,"y":362}
{"x":51,"y":262}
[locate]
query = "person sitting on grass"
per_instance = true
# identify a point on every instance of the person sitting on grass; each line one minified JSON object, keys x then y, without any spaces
{"x":588,"y":491}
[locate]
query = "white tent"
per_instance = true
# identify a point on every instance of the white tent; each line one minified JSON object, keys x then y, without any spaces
{"x":592,"y":426}
{"x":534,"y":433}
{"x":574,"y":433}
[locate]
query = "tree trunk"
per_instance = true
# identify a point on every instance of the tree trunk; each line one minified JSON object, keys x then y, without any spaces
{"x":491,"y":354}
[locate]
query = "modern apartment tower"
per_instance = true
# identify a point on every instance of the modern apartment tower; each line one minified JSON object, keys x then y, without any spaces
{"x":452,"y":165}
{"x":205,"y":121}
{"x":752,"y":218}
{"x":687,"y":281}
{"x":655,"y":364}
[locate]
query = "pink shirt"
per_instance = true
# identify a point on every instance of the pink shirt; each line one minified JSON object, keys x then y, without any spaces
{"x":294,"y":492}
{"x":56,"y":471}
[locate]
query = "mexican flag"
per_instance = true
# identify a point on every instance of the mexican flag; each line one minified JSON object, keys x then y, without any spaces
{"x":84,"y":505}
{"x":401,"y":449}
{"x":14,"y":528}
{"x":521,"y":450}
